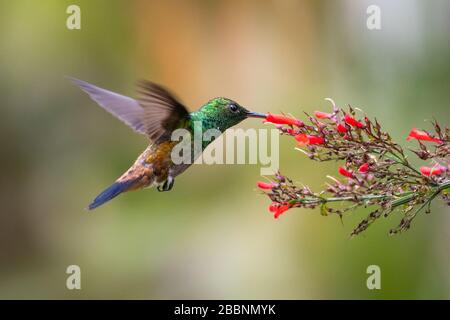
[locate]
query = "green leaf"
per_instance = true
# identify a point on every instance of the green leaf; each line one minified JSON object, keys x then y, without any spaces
{"x":324,"y":209}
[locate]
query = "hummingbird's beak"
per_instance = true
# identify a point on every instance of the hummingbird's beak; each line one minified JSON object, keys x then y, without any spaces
{"x":256,"y":115}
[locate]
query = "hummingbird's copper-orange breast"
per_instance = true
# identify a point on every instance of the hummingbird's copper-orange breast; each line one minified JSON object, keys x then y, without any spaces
{"x":159,"y":158}
{"x":151,"y":167}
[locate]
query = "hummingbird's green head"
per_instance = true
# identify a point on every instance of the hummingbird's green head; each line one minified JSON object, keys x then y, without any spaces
{"x":222,"y":113}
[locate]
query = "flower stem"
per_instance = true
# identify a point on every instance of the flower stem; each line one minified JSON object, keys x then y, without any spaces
{"x":400,"y":199}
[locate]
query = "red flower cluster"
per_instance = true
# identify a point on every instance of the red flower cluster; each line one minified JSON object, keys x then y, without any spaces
{"x":377,"y":169}
{"x":421,"y":135}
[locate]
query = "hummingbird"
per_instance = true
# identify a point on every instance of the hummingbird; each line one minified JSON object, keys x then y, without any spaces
{"x":157,"y":113}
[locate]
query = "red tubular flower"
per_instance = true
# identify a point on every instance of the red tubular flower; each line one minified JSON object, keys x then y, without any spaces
{"x":341,"y":128}
{"x":304,"y":138}
{"x":345,"y":172}
{"x":273,"y":207}
{"x":352,"y":121}
{"x":266,"y":185}
{"x":363,"y":168}
{"x":421,"y":135}
{"x":281,"y":209}
{"x":279,"y":119}
{"x":278,"y":208}
{"x":322,"y":115}
{"x":315,"y":140}
{"x":428,"y":171}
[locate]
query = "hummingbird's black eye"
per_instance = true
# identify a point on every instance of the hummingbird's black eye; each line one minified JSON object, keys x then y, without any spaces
{"x":233,"y":108}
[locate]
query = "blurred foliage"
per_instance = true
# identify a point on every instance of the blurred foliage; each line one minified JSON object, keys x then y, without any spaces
{"x":211,"y":237}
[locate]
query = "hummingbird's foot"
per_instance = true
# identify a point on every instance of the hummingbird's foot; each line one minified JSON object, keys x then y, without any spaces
{"x":168,"y":184}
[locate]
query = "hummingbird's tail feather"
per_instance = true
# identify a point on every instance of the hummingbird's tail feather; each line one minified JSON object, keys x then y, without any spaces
{"x":111,"y":192}
{"x":136,"y":177}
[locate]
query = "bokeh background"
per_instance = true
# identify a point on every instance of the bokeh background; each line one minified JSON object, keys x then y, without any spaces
{"x":211,"y":237}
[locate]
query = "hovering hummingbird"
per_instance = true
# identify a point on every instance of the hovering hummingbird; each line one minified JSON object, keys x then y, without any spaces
{"x":156,"y":113}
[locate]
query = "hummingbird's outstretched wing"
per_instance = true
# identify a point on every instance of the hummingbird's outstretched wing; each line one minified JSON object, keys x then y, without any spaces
{"x":154,"y":114}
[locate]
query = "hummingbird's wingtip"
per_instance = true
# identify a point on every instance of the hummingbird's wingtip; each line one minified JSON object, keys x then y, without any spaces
{"x":74,"y":80}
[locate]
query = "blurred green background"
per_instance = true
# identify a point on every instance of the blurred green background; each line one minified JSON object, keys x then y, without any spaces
{"x":211,"y":237}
